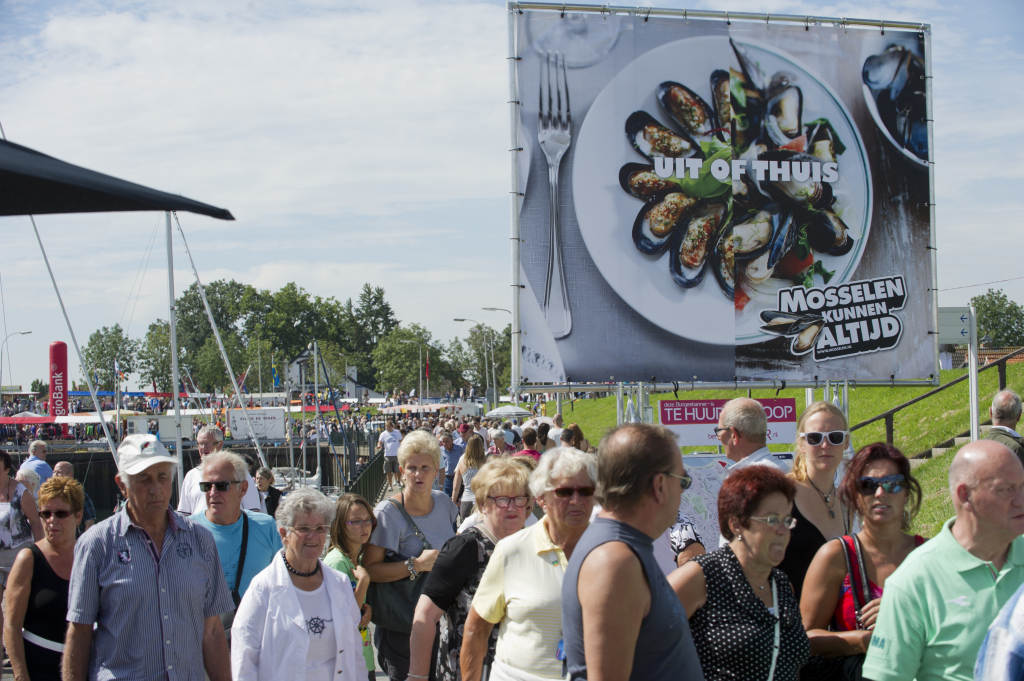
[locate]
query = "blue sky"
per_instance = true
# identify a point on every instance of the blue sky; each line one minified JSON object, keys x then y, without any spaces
{"x":367,"y":142}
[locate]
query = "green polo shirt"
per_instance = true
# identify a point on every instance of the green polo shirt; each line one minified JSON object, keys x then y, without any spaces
{"x":936,"y":609}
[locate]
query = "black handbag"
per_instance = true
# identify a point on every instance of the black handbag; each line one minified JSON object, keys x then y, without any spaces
{"x":394,"y":603}
{"x":227,"y":618}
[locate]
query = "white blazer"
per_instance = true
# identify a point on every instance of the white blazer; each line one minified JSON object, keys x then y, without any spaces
{"x":268,"y":636}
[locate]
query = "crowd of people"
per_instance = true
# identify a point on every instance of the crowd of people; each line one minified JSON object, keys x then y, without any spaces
{"x":517,"y":553}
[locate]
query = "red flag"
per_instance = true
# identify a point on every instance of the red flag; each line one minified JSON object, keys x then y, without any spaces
{"x":428,"y":368}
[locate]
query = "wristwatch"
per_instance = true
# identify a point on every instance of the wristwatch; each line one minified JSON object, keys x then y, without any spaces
{"x":412,"y":569}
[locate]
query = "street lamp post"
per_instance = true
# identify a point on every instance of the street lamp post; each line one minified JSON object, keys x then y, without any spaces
{"x":494,"y":375}
{"x":16,"y":333}
{"x":421,"y":366}
{"x":514,"y":349}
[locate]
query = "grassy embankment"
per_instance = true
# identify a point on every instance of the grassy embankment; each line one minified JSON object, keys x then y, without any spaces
{"x":917,"y":428}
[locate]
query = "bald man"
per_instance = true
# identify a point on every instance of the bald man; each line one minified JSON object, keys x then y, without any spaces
{"x":937,"y":606}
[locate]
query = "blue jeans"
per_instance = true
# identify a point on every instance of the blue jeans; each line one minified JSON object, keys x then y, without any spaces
{"x":449,"y":483}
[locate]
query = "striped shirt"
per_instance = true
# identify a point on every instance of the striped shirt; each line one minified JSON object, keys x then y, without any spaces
{"x":149,"y":609}
{"x":522,"y":590}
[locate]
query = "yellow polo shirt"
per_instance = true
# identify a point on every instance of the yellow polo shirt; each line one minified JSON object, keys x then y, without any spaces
{"x":521,"y":590}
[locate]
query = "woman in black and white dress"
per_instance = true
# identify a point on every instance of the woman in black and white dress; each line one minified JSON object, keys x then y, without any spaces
{"x":738,"y":602}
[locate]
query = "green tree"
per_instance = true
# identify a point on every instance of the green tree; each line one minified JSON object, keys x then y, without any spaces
{"x":225,"y":298}
{"x":155,"y":357}
{"x":398,"y":363}
{"x":38,"y":386}
{"x":1000,"y":318}
{"x":259,"y":355}
{"x":104,"y":347}
{"x":208,"y":368}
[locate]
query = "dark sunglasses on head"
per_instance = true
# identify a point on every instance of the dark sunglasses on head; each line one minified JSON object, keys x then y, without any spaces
{"x":59,"y":515}
{"x":566,"y":492}
{"x":220,"y":485}
{"x":835,"y":437}
{"x":892,"y":484}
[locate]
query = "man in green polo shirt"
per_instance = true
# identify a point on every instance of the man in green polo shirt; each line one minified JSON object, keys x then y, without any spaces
{"x":938,"y":605}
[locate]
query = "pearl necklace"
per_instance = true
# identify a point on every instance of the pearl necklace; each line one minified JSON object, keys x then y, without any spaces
{"x":296,"y":572}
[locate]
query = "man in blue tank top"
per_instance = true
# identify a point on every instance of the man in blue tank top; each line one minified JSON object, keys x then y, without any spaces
{"x":620,"y":618}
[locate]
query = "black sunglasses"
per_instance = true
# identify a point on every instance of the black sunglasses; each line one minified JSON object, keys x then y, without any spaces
{"x":893,"y":484}
{"x":59,"y":515}
{"x":566,"y":492}
{"x":220,"y":485}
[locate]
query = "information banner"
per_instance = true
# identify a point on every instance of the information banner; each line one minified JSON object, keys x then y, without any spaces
{"x":694,"y":421}
{"x":266,"y":423}
{"x":723,"y":200}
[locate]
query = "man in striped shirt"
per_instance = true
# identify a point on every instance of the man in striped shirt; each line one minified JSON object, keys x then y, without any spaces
{"x":150,"y":581}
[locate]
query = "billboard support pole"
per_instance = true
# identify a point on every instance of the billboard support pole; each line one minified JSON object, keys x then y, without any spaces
{"x":929,"y":116}
{"x":808,"y":396}
{"x":513,"y":107}
{"x":972,"y":369}
{"x":846,"y":400}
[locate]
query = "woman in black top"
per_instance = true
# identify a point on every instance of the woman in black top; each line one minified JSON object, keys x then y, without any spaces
{"x":822,"y":437}
{"x":503,"y":500}
{"x":271,"y":495}
{"x":736,"y":599}
{"x":37,"y":589}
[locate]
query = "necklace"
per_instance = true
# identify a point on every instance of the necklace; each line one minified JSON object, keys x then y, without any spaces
{"x":825,"y":497}
{"x":296,"y":572}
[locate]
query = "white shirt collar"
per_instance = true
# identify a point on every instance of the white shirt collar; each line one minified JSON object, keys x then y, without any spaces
{"x":752,"y":458}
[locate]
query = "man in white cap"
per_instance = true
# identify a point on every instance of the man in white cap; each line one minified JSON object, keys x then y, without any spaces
{"x":147,"y":590}
{"x":193,"y":502}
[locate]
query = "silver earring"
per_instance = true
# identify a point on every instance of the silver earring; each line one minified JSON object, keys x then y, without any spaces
{"x":739,"y":537}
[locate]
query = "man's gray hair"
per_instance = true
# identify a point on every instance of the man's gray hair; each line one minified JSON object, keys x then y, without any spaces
{"x":236,"y":460}
{"x":746,"y":416}
{"x":561,"y":462}
{"x":304,"y":501}
{"x":1006,"y":406}
{"x":35,"y":444}
{"x":217,"y":433}
{"x":566,"y":435}
{"x":496,"y":432}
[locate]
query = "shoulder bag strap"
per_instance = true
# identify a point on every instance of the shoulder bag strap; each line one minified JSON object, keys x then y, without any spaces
{"x":778,"y":631}
{"x":245,"y":545}
{"x":857,"y":602}
{"x":408,"y":518}
{"x":865,"y":591}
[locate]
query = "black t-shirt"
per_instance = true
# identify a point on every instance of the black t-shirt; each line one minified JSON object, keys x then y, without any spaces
{"x":456,"y":563}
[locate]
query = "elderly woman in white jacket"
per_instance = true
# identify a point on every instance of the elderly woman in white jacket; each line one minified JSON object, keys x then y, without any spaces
{"x":298,"y":620}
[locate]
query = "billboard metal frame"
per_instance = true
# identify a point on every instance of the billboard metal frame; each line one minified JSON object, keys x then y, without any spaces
{"x":516,"y":195}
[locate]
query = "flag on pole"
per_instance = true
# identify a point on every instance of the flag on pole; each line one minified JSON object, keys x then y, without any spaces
{"x":428,"y":367}
{"x":277,"y":379}
{"x":118,"y":372}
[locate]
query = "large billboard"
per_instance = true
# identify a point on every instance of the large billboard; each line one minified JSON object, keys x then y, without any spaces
{"x":716,"y":200}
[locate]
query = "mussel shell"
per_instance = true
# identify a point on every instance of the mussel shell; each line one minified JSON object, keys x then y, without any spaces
{"x":784,"y":117}
{"x":787,"y":323}
{"x":783,"y":240}
{"x":821,"y":142}
{"x":779,"y":82}
{"x":746,"y":195}
{"x":803,"y":342}
{"x":722,"y":101}
{"x":827,"y":233}
{"x":650,"y":243}
{"x":880,"y":69}
{"x":681,"y":144}
{"x":751,"y":242}
{"x":809,"y":193}
{"x":751,"y":70}
{"x":723,"y":263}
{"x":686,"y":276}
{"x":911,"y":128}
{"x":686,"y":108}
{"x":640,"y":180}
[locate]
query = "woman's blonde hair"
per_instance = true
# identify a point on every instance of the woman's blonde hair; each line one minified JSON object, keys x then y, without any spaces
{"x":499,"y":474}
{"x":799,"y":471}
{"x":419,"y":442}
{"x":475,"y":454}
{"x":66,"y":489}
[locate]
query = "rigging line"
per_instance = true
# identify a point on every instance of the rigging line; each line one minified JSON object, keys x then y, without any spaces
{"x":3,"y":307}
{"x":142,"y":281}
{"x":144,"y":262}
{"x":998,"y":281}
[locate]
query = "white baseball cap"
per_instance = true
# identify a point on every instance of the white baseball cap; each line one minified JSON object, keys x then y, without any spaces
{"x":139,"y":452}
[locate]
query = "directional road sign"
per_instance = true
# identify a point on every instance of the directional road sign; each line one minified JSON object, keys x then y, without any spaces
{"x":954,"y":325}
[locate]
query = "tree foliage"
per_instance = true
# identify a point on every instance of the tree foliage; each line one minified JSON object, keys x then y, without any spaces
{"x":104,"y":347}
{"x":1000,"y":318}
{"x":155,"y":357}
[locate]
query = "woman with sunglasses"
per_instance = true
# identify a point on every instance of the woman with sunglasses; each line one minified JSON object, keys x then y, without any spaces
{"x":503,"y":503}
{"x":744,"y":618}
{"x":298,"y":620}
{"x":844,"y":582}
{"x":520,"y":592}
{"x":37,"y":590}
{"x":822,"y":437}
{"x":350,"y":531}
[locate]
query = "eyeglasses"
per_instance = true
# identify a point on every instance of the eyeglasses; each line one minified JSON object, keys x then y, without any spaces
{"x":220,"y":485}
{"x":320,"y":530}
{"x":835,"y":437}
{"x":893,"y":484}
{"x":684,"y":480}
{"x":719,"y":429}
{"x":773,"y":521}
{"x":566,"y":492}
{"x":361,"y":523}
{"x":59,"y":515}
{"x":520,"y":502}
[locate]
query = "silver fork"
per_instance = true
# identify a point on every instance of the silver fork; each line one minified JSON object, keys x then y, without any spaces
{"x":554,"y":132}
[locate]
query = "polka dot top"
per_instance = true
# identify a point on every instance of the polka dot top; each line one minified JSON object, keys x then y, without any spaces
{"x":734,"y":631}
